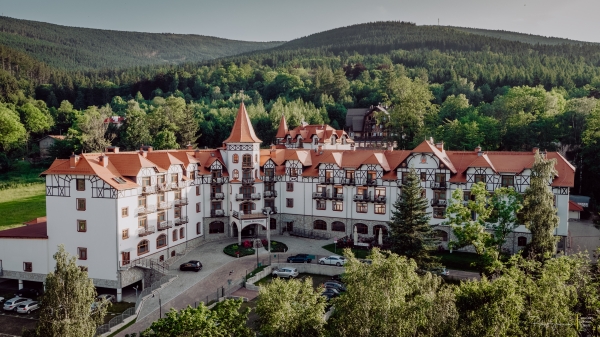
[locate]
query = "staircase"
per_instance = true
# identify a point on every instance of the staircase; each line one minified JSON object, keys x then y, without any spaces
{"x":154,"y":270}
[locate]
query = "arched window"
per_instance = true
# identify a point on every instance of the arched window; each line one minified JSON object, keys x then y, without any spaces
{"x":247,"y":160}
{"x":338,"y":226}
{"x":161,"y":258}
{"x":198,"y":228}
{"x":236,"y":174}
{"x":320,"y":224}
{"x":172,"y":253}
{"x":273,"y":224}
{"x":216,"y":227}
{"x":236,"y":158}
{"x":361,"y":228}
{"x":181,"y":233}
{"x":423,"y":159}
{"x":143,"y":247}
{"x":175,"y":235}
{"x":378,"y":228}
{"x":441,"y":235}
{"x":161,"y":241}
{"x":521,"y":241}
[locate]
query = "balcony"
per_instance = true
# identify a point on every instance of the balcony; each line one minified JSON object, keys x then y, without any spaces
{"x":146,"y":209}
{"x":362,"y":197}
{"x":371,"y":182}
{"x":216,"y":213}
{"x":247,"y":181}
{"x":181,"y":202}
{"x":268,"y":179}
{"x":380,"y":198}
{"x":181,"y":220}
{"x":437,"y":185}
{"x":147,"y":190}
{"x":177,"y":185}
{"x":328,"y":195}
{"x":217,"y":181}
{"x":164,"y":187}
{"x":438,"y":202}
{"x":248,"y":215}
{"x":252,"y":196}
{"x":326,"y":180}
{"x":348,"y":181}
{"x":270,"y":194}
{"x":164,"y":205}
{"x":146,"y":231}
{"x":162,"y":225}
{"x":217,"y":196}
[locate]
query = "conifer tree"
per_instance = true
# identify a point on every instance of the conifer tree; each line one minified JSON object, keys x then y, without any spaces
{"x":538,"y":213}
{"x":411,"y":233}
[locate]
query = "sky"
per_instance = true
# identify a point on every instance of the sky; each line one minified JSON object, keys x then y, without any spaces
{"x":283,"y":20}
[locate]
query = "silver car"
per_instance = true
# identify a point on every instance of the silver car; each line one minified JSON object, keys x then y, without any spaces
{"x":13,"y":303}
{"x":28,"y":307}
{"x":333,"y":260}
{"x":285,"y":272}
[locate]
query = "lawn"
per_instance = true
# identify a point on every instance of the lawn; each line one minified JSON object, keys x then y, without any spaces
{"x":21,"y":204}
{"x":116,"y":309}
{"x":358,"y":253}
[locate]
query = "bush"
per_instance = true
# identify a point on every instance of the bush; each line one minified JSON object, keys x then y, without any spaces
{"x":247,"y":244}
{"x":234,"y":250}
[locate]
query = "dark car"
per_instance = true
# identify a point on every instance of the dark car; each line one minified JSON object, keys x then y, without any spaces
{"x":337,"y":278}
{"x":337,"y":286}
{"x":330,"y":293}
{"x":27,"y":292}
{"x":191,"y":265}
{"x":300,"y":258}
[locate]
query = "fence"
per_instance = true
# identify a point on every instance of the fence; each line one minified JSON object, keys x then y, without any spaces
{"x":221,"y":292}
{"x":115,"y":321}
{"x":152,"y":288}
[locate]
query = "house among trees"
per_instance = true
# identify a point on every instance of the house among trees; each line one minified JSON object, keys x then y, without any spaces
{"x":46,"y":143}
{"x":125,"y":213}
{"x":367,"y":126}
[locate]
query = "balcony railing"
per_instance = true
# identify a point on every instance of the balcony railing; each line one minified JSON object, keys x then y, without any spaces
{"x":163,"y":187}
{"x":219,"y":180}
{"x":146,"y":231}
{"x":215,"y":213}
{"x":150,"y":189}
{"x":380,"y":198}
{"x":248,"y":215}
{"x":217,"y":196}
{"x":362,"y":197}
{"x":181,"y":220}
{"x":146,"y":209}
{"x":328,"y":195}
{"x":371,"y":182}
{"x":268,"y":179}
{"x":178,"y":185}
{"x":248,"y":181}
{"x":181,"y":202}
{"x":326,"y":180}
{"x":165,"y":205}
{"x":162,"y":225}
{"x":244,"y":196}
{"x":270,"y":194}
{"x":438,"y":185}
{"x":347,"y":181}
{"x":438,"y":202}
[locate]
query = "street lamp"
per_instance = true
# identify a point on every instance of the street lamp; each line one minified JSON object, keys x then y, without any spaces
{"x":159,"y":305}
{"x":136,"y":288}
{"x":267,"y":211}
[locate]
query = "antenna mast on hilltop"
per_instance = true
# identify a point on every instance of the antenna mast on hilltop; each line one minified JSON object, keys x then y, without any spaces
{"x":438,"y":21}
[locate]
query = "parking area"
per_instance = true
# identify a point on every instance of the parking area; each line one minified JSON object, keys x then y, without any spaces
{"x":11,"y":325}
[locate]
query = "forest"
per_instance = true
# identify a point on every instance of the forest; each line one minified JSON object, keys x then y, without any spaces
{"x":461,"y":88}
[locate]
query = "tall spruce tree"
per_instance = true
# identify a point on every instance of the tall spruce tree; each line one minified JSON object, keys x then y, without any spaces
{"x":538,"y":213}
{"x":411,"y":232}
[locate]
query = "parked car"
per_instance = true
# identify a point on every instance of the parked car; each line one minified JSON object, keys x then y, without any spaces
{"x":334,"y":260}
{"x":27,"y":292}
{"x":337,"y":286}
{"x":285,"y":272}
{"x":440,"y":271}
{"x":333,"y":290}
{"x":330,"y":293}
{"x":366,"y":261}
{"x":337,"y":278}
{"x":300,"y":258}
{"x":13,"y":303}
{"x":191,"y":265}
{"x":28,"y":307}
{"x":106,"y":297}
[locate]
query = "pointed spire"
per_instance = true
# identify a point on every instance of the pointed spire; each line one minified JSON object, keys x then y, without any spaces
{"x":283,"y":129}
{"x":242,"y":131}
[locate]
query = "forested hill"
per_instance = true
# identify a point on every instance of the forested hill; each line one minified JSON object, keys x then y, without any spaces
{"x":73,"y":48}
{"x":520,"y":37}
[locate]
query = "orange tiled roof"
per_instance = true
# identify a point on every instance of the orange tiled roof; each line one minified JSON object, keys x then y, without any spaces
{"x":35,"y":231}
{"x":427,"y":147}
{"x":163,"y":159}
{"x":573,"y":206}
{"x":283,"y":129}
{"x":242,"y":131}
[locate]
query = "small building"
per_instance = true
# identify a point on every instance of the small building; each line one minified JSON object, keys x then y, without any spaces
{"x":47,"y":142}
{"x":575,"y":210}
{"x":367,"y":126}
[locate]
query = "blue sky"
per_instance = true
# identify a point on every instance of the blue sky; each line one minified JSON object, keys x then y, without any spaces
{"x":270,"y":20}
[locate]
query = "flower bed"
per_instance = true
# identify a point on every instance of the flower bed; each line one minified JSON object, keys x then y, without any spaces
{"x":246,"y":249}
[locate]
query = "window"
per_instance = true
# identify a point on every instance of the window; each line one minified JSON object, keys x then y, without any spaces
{"x":216,"y":227}
{"x":125,"y":212}
{"x":192,"y":177}
{"x":521,"y":241}
{"x":441,"y":235}
{"x":27,"y":266}
{"x":236,"y":174}
{"x":80,"y":204}
{"x":177,"y":212}
{"x":160,"y":197}
{"x":125,"y":259}
{"x":125,"y":234}
{"x":320,"y":224}
{"x":161,"y":241}
{"x":161,"y":258}
{"x":198,"y":189}
{"x":361,"y":207}
{"x":236,"y":158}
{"x":143,"y":247}
{"x":349,"y":174}
{"x":80,"y":184}
{"x":81,"y":225}
{"x":145,"y":181}
{"x":466,"y":195}
{"x":440,"y":178}
{"x":174,"y":177}
{"x":338,"y":206}
{"x":181,"y":233}
{"x":256,"y":158}
{"x":247,"y":160}
{"x":382,"y":228}
{"x":198,"y":208}
{"x":289,"y":187}
{"x":337,"y":226}
{"x":508,"y":181}
{"x":361,"y":228}
{"x":321,"y":204}
{"x":177,"y":195}
{"x":439,"y":212}
{"x":423,"y":176}
{"x":141,"y":201}
{"x":142,"y":222}
{"x":293,"y":172}
{"x":82,"y":253}
{"x":273,"y":224}
{"x":160,"y":179}
{"x":289,"y":202}
{"x":172,"y":253}
{"x":379,"y":208}
{"x":380,"y":192}
{"x":198,"y":228}
{"x":439,"y":195}
{"x":160,"y":217}
{"x":480,"y":178}
{"x":175,"y":238}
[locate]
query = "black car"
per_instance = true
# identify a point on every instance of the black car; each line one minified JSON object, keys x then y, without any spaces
{"x":329,"y":293}
{"x":191,"y":265}
{"x":27,"y":292}
{"x":300,"y":258}
{"x":337,"y":286}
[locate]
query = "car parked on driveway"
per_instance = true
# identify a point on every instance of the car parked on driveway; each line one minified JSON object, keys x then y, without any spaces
{"x":106,"y":297}
{"x":333,"y":260}
{"x":300,"y":258}
{"x":13,"y":303}
{"x":330,"y":293}
{"x":191,"y":265}
{"x":28,"y":307}
{"x":337,"y":286}
{"x":285,"y":272}
{"x":27,"y":292}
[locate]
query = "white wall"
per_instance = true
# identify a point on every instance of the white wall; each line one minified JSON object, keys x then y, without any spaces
{"x":13,"y":252}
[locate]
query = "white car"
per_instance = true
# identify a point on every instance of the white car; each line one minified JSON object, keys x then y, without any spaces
{"x":285,"y":272}
{"x":13,"y":303}
{"x":1,"y":299}
{"x":333,"y":260}
{"x":28,"y":307}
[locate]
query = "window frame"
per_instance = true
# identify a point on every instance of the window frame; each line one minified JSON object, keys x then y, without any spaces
{"x":289,"y":187}
{"x":436,"y":215}
{"x":124,"y":212}
{"x":289,"y":202}
{"x":28,"y":267}
{"x":236,"y":158}
{"x":162,"y":236}
{"x":321,"y":205}
{"x":216,"y":230}
{"x":198,"y":190}
{"x":479,"y":178}
{"x":337,"y":206}
{"x":82,"y":253}
{"x":79,"y":181}
{"x":125,"y":234}
{"x":79,"y":229}
{"x":362,"y":207}
{"x":198,"y":207}
{"x":198,"y":228}
{"x":361,"y":229}
{"x":380,"y":208}
{"x":519,"y":243}
{"x":175,"y":235}
{"x":319,"y":225}
{"x":77,"y":205}
{"x":506,"y":178}
{"x":147,"y":245}
{"x":335,"y":226}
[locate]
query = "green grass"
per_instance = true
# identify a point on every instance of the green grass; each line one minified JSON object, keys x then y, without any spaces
{"x":358,"y":253}
{"x":116,"y":309}
{"x":122,"y":328}
{"x":256,"y":271}
{"x":21,"y":204}
{"x":459,"y":260}
{"x":22,"y":174}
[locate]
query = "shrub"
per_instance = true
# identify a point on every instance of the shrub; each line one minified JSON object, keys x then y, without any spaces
{"x":247,"y":244}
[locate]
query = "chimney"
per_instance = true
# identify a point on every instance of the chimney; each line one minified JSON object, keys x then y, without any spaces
{"x":189,"y":146}
{"x":73,"y":160}
{"x":440,"y":146}
{"x":273,"y":152}
{"x":143,"y":153}
{"x":431,"y":140}
{"x":146,"y":148}
{"x":535,"y":149}
{"x":390,"y":147}
{"x":103,"y":160}
{"x":320,"y":150}
{"x":197,"y":154}
{"x":478,"y":149}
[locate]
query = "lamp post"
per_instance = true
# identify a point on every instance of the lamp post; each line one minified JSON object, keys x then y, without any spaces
{"x":136,"y":288}
{"x":159,"y":305}
{"x":267,"y":211}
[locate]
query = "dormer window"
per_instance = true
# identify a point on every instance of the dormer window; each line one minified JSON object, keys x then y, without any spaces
{"x":316,"y":140}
